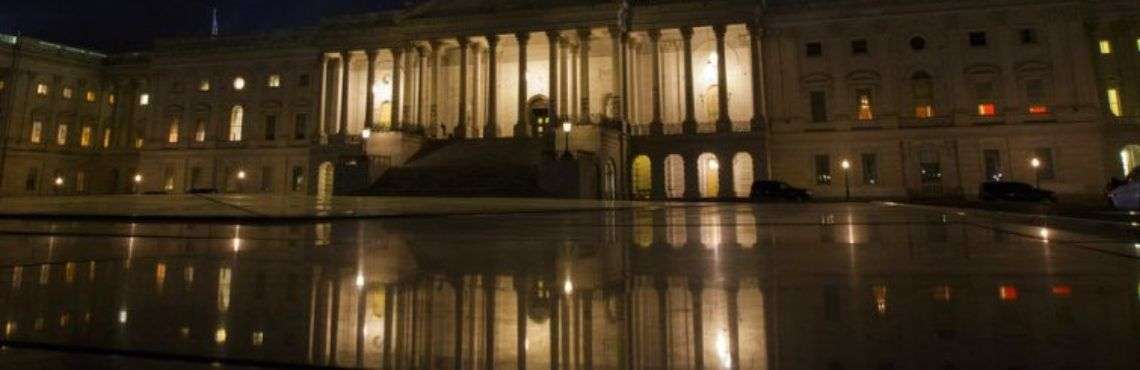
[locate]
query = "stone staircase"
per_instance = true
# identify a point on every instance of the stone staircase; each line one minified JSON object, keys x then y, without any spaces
{"x":488,"y":168}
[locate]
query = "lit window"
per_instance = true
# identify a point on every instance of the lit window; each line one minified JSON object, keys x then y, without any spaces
{"x":106,"y":138}
{"x":1114,"y":102}
{"x":239,"y":84}
{"x":1007,"y":293}
{"x":1035,"y":94}
{"x":987,"y":110}
{"x":139,"y":142}
{"x":1105,"y":47}
{"x":924,"y":111}
{"x":257,"y":338}
{"x":1062,"y":291}
{"x":923,"y":86}
{"x":220,"y":336}
{"x":144,"y":99}
{"x":200,"y":131}
{"x":1038,"y":109}
{"x":85,"y":137}
{"x":879,"y":293}
{"x":111,"y":99}
{"x":41,"y":89}
{"x":866,"y":113}
{"x":985,"y":95}
{"x":37,"y":133}
{"x":90,"y":96}
{"x":236,"y":118}
{"x":2,"y":85}
{"x":172,"y":131}
{"x":822,"y":169}
{"x":204,"y":85}
{"x":67,"y":93}
{"x":274,"y":80}
{"x":942,"y":293}
{"x":61,"y":135}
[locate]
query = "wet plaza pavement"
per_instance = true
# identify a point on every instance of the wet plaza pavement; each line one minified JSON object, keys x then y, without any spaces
{"x":647,"y":286}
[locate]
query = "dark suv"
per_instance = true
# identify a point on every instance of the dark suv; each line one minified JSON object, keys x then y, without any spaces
{"x":1014,"y":191}
{"x":778,"y":190}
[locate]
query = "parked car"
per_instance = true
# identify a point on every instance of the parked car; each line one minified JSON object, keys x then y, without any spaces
{"x":1125,"y":194}
{"x":1014,"y":191}
{"x":778,"y":190}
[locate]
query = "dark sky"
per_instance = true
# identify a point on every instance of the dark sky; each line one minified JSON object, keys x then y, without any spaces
{"x":126,"y":25}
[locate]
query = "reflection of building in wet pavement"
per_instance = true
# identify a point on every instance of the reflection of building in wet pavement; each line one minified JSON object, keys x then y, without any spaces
{"x":671,"y":288}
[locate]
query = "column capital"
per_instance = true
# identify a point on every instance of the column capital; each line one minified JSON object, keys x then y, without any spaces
{"x":345,"y":53}
{"x":553,"y":35}
{"x":719,"y":30}
{"x":687,"y":33}
{"x":583,"y":33}
{"x":463,"y":41}
{"x":434,"y":44}
{"x":522,"y":36}
{"x":615,"y":32}
{"x":492,"y":40}
{"x":372,"y":53}
{"x":654,"y":35}
{"x":396,"y":51}
{"x":755,"y":28}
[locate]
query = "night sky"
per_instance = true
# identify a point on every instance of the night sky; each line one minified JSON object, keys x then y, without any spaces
{"x":129,"y":25}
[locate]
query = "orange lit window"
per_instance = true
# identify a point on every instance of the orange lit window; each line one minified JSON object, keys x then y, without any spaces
{"x":924,"y":111}
{"x":1007,"y":292}
{"x":987,"y":109}
{"x":1038,"y":109}
{"x":1062,"y":291}
{"x":942,"y":293}
{"x":866,"y":112}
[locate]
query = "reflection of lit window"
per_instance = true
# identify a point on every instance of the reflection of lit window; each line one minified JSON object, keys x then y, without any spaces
{"x":1105,"y":47}
{"x":67,"y":93}
{"x":188,"y":276}
{"x":172,"y":130}
{"x":1007,"y":293}
{"x":942,"y":293}
{"x":85,"y":136}
{"x":17,"y":276}
{"x":224,"y":276}
{"x":144,"y":99}
{"x":1062,"y":291}
{"x":90,"y":96}
{"x":220,"y":336}
{"x":257,"y":338}
{"x":45,"y":274}
{"x":880,"y":294}
{"x":1114,"y":102}
{"x":160,"y":276}
{"x":274,"y":80}
{"x":106,"y":138}
{"x":61,"y":134}
{"x":239,"y":84}
{"x":69,"y":272}
{"x":41,"y":89}
{"x":37,"y":132}
{"x":123,"y":316}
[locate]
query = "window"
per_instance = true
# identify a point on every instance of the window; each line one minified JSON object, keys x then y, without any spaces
{"x":168,"y":179}
{"x":195,"y":177}
{"x":303,"y":80}
{"x":61,"y":134}
{"x":978,"y":39}
{"x":176,"y":86}
{"x":1045,"y":156}
{"x":298,"y":178}
{"x":859,"y":47}
{"x":270,"y":127}
{"x":200,"y":130}
{"x":41,"y":89}
{"x":2,"y":85}
{"x":32,"y":180}
{"x":266,"y":179}
{"x":985,"y":95}
{"x":865,"y":110}
{"x":1035,"y":96}
{"x":300,"y":123}
{"x":274,"y":81}
{"x":993,"y":167}
{"x":110,"y":99}
{"x":822,"y":169}
{"x":1105,"y":47}
{"x":144,"y":100}
{"x":239,"y":83}
{"x":1114,"y":102}
{"x":172,"y":130}
{"x":37,"y":133}
{"x":67,"y":93}
{"x":90,"y":96}
{"x":929,"y":166}
{"x":1028,"y":36}
{"x":818,"y":106}
{"x":870,"y":168}
{"x":85,"y":137}
{"x":80,"y":181}
{"x":923,"y":92}
{"x":139,"y":141}
{"x":106,"y":138}
{"x":1007,"y":293}
{"x":917,"y":43}
{"x":204,"y":85}
{"x":236,"y":118}
{"x":814,"y":49}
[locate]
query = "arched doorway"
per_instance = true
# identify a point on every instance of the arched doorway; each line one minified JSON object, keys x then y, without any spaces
{"x":538,"y":107}
{"x":609,"y":181}
{"x":1129,"y":158}
{"x":642,"y":177}
{"x":708,"y":172}
{"x":325,"y":173}
{"x":742,"y":176}
{"x":674,"y":176}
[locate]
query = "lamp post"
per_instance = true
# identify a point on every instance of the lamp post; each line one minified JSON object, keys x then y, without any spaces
{"x":846,"y":179}
{"x":58,"y":183}
{"x":138,"y":183}
{"x":566,"y":128}
{"x":241,"y":180}
{"x":1036,"y":164}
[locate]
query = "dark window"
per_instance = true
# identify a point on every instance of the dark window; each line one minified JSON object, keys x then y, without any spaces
{"x":814,"y":49}
{"x":822,"y":169}
{"x":266,"y":179}
{"x":859,"y":47}
{"x":303,"y":80}
{"x":300,"y":121}
{"x":195,"y":177}
{"x":870,"y":169}
{"x":831,"y":303}
{"x":917,"y":43}
{"x":818,"y":106}
{"x":1028,"y":36}
{"x":32,"y":180}
{"x":1046,"y":169}
{"x":270,"y":127}
{"x":930,"y":166}
{"x":992,"y":159}
{"x":298,"y":178}
{"x":977,"y":39}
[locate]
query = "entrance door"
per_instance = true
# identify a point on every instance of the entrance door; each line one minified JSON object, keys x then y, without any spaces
{"x":539,"y":113}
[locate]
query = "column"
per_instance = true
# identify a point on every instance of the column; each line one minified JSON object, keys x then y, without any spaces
{"x":572,"y":99}
{"x":422,"y":110}
{"x":564,"y":81}
{"x":656,"y":127}
{"x":657,"y":177}
{"x":695,"y":289}
{"x":618,"y":76}
{"x":723,"y":122}
{"x":755,"y":53}
{"x":726,"y":175}
{"x":584,"y":74}
{"x":409,"y":92}
{"x":552,"y":38}
{"x":689,"y":125}
{"x":692,"y":176}
{"x":346,"y":66}
{"x":474,"y":90}
{"x":370,"y":98}
{"x":435,"y":55}
{"x":522,"y":128}
{"x":461,"y":126}
{"x":324,"y":95}
{"x":395,"y":120}
{"x":491,"y":128}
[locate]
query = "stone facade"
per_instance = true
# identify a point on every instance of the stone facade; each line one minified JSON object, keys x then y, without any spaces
{"x":666,"y":100}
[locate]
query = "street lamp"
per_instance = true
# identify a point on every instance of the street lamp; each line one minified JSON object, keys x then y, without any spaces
{"x":1036,"y":163}
{"x":241,"y":181}
{"x":138,"y":182}
{"x":367,"y":133}
{"x":566,"y":128}
{"x":846,"y":178}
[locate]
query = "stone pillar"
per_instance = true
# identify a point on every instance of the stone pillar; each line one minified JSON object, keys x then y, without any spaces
{"x":395,"y":120}
{"x":474,"y":88}
{"x":657,"y":177}
{"x":584,"y":74}
{"x":689,"y":125}
{"x":522,"y":128}
{"x":695,"y":288}
{"x":618,"y":76}
{"x":656,"y":127}
{"x":726,"y":175}
{"x":572,"y":99}
{"x":756,"y":53}
{"x":460,"y":131}
{"x":324,"y":96}
{"x":692,"y":176}
{"x":552,"y":37}
{"x":563,"y":79}
{"x":436,"y":47}
{"x":723,"y":122}
{"x":491,"y":127}
{"x":408,"y":115}
{"x":422,"y":106}
{"x":346,"y":66}
{"x":370,"y":97}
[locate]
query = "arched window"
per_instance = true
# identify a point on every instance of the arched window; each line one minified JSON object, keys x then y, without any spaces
{"x":742,"y":176}
{"x":923,"y":94}
{"x":237,"y":116}
{"x":708,"y":172}
{"x":674,"y":176}
{"x":642,"y":177}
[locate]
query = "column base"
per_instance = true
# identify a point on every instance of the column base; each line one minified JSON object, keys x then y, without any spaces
{"x":520,"y":130}
{"x":689,"y":126}
{"x":656,"y":128}
{"x":723,"y":125}
{"x":490,"y":130}
{"x":757,"y":124}
{"x":460,"y":131}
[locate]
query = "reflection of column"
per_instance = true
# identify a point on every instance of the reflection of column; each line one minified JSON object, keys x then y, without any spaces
{"x":386,"y":345}
{"x":662,"y":285}
{"x":588,"y":330}
{"x":461,"y":126}
{"x":552,"y":39}
{"x":491,"y":127}
{"x":695,"y":288}
{"x":334,"y":314}
{"x":522,"y":129}
{"x":723,"y":123}
{"x":584,"y":74}
{"x":459,"y":285}
{"x":360,"y":301}
{"x":395,"y":104}
{"x":555,"y":322}
{"x":346,"y":66}
{"x":733,"y":324}
{"x":689,"y":125}
{"x":655,"y":126}
{"x":520,"y":307}
{"x":755,"y":52}
{"x":370,"y":97}
{"x":489,"y":318}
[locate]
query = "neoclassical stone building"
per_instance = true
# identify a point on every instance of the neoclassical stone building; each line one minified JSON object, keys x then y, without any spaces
{"x":663,"y":99}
